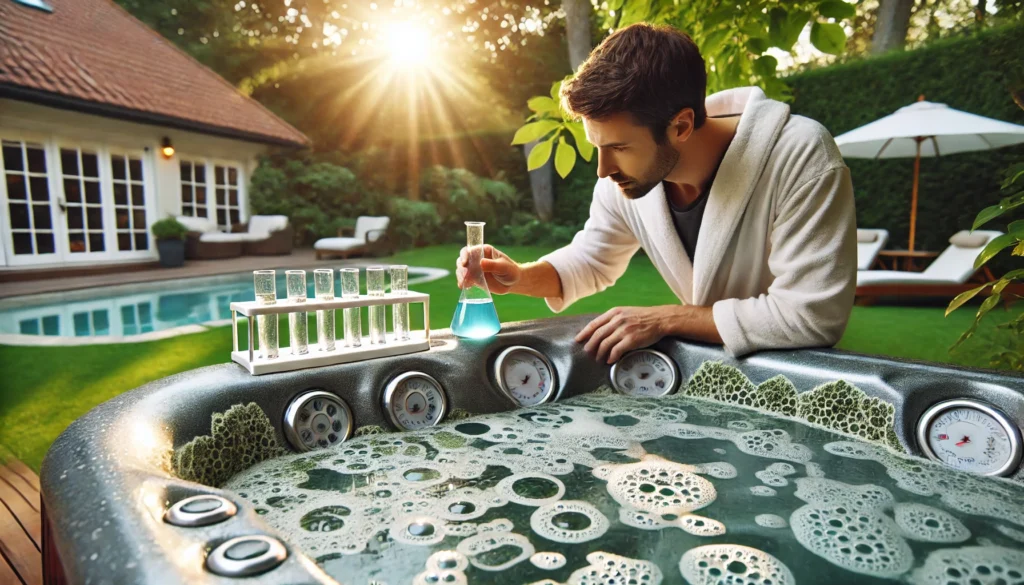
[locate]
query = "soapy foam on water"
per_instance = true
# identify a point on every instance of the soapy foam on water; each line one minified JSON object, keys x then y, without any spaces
{"x":611,"y":569}
{"x":548,"y":561}
{"x":591,"y":523}
{"x":733,"y":564}
{"x":770,"y":521}
{"x":972,"y":565}
{"x":928,"y":524}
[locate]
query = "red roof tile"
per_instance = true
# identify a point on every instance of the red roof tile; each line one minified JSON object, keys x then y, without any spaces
{"x":92,"y":55}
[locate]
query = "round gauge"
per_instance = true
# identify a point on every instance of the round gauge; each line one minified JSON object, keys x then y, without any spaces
{"x":645,"y":372}
{"x":317,"y":419}
{"x":970,"y":436}
{"x":525,"y":375}
{"x":415,"y":400}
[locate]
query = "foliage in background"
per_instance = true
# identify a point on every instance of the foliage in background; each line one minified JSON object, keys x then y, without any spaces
{"x":168,"y":229}
{"x":1012,"y":357}
{"x":461,"y":196}
{"x":971,"y":74}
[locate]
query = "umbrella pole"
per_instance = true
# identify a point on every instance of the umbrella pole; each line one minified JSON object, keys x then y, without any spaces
{"x":913,"y":197}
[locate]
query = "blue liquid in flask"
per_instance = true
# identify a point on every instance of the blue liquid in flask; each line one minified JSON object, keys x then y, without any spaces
{"x":475,"y":319}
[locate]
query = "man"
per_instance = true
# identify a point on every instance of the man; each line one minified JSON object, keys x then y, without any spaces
{"x":746,"y":211}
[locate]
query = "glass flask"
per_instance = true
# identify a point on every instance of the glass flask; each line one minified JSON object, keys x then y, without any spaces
{"x":475,"y":316}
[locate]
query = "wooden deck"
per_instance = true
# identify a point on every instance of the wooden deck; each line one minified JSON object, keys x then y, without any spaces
{"x":21,"y":539}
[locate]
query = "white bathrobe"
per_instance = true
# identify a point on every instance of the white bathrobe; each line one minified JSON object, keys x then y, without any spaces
{"x":777,"y":250}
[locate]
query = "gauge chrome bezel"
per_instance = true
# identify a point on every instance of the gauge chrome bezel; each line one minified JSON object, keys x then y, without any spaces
{"x":1011,"y":429}
{"x":392,"y":387}
{"x":664,"y":357}
{"x":291,"y":423}
{"x":499,"y":363}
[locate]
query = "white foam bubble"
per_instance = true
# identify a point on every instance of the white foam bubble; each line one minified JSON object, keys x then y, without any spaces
{"x":972,"y":565}
{"x":860,"y":540}
{"x":486,"y":542}
{"x":418,"y":530}
{"x":718,"y":470}
{"x":606,"y":568}
{"x":760,"y":490}
{"x":719,"y":450}
{"x":701,"y":526}
{"x":732,"y":563}
{"x":506,"y":488}
{"x":548,"y":561}
{"x":660,"y":486}
{"x":1011,"y":533}
{"x":928,"y":524}
{"x":447,"y":560}
{"x":569,"y":521}
{"x":770,"y":521}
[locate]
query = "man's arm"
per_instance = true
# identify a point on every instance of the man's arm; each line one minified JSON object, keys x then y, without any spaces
{"x":538,"y":279}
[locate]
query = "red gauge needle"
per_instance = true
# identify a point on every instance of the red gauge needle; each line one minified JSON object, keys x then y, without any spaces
{"x":963,"y":441}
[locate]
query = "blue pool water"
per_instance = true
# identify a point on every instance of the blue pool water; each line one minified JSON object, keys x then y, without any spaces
{"x":136,"y":309}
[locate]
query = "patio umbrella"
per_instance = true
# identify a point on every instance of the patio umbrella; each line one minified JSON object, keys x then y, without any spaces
{"x":927,"y":129}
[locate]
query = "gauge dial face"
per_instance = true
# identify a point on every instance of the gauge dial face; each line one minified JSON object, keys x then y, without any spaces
{"x":415,"y":400}
{"x":525,"y":375}
{"x":316,"y":420}
{"x":645,"y":372}
{"x":970,"y":436}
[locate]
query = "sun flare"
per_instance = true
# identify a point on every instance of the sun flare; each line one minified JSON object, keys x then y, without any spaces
{"x":408,"y":44}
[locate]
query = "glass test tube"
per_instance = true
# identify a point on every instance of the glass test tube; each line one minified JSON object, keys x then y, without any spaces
{"x":353,"y":322}
{"x":400,"y":312}
{"x":298,"y":322}
{"x":265,"y":283}
{"x":375,"y":288}
{"x":323,"y":286}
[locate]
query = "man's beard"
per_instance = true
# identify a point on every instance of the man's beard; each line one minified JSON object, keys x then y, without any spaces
{"x":665,"y":160}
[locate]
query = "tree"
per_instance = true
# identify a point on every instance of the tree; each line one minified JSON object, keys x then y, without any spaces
{"x":891,"y":25}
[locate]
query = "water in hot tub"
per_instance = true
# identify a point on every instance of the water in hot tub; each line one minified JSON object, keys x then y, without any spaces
{"x":609,"y":489}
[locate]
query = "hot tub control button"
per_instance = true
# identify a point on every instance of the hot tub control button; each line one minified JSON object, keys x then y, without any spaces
{"x":245,"y":556}
{"x":201,"y":510}
{"x":317,"y":419}
{"x":645,"y":372}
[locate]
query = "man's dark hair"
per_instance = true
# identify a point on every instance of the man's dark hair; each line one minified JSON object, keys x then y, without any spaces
{"x":650,"y":72}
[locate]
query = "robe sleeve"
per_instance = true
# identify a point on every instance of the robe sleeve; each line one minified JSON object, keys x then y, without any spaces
{"x":814,"y":263}
{"x":598,"y":254}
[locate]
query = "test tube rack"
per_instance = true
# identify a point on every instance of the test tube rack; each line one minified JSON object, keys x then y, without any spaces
{"x":250,"y":359}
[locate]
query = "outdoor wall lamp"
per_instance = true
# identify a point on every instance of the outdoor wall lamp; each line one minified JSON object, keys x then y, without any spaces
{"x":166,"y":148}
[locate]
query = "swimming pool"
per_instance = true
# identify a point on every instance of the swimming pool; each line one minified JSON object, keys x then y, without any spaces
{"x":138,"y":311}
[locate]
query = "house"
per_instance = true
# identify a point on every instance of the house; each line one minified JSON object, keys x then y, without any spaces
{"x":106,"y":127}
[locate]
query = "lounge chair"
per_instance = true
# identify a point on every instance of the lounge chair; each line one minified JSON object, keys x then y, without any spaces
{"x":370,"y":237}
{"x":947,"y":276}
{"x":266,"y":235}
{"x":869,"y":244}
{"x":205,"y":241}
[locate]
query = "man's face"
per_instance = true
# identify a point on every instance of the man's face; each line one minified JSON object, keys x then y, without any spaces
{"x":628,"y":154}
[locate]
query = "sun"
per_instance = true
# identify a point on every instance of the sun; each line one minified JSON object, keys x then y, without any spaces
{"x":408,"y":44}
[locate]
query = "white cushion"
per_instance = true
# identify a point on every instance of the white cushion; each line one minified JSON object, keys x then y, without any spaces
{"x":265,"y":224}
{"x":367,"y":223}
{"x":254,"y":237}
{"x":965,"y":239}
{"x":219,"y":237}
{"x":867,"y":249}
{"x":338,"y":244}
{"x":883,"y":277}
{"x":197,"y":224}
{"x":866,"y":236}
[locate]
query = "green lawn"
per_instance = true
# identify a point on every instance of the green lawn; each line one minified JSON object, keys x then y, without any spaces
{"x":45,"y":389}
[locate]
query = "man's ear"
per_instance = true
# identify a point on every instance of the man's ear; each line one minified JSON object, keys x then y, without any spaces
{"x":681,"y":126}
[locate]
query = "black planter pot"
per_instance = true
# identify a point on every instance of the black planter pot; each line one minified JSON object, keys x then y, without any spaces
{"x":172,"y":252}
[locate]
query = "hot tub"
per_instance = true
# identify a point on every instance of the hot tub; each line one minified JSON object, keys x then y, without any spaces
{"x":526,"y":461}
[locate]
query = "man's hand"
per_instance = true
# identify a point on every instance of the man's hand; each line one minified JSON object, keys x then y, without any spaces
{"x":500,"y":271}
{"x":622,"y":329}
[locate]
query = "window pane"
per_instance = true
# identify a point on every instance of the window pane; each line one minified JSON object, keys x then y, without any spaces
{"x":186,"y":194}
{"x":188,"y":211}
{"x":90,"y":165}
{"x":16,"y":187}
{"x":145,"y":313}
{"x":19,"y":216}
{"x":117,"y":164}
{"x":135,"y":166}
{"x":29,"y":327}
{"x":76,"y":242}
{"x":75,"y":219}
{"x":222,"y":218}
{"x":69,"y":162}
{"x":96,"y":242}
{"x":72,"y":192}
{"x":12,"y":156}
{"x":219,"y":174}
{"x":186,"y":171}
{"x":201,"y":195}
{"x":81,"y":324}
{"x":92,"y":192}
{"x":44,"y":243}
{"x":51,"y":325}
{"x":201,"y":211}
{"x":128,"y":315}
{"x":22,"y":243}
{"x":120,"y":194}
{"x":101,"y":322}
{"x":220,"y":197}
{"x":234,"y":217}
{"x":138,"y":195}
{"x":41,"y":217}
{"x":233,"y":197}
{"x":36,"y":159}
{"x":123,"y":220}
{"x":141,"y":241}
{"x":232,"y":176}
{"x":39,"y":188}
{"x":139,"y":219}
{"x":95,"y":217}
{"x":124,"y":242}
{"x":200,"y":173}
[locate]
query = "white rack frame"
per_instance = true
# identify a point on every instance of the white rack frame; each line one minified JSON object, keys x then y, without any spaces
{"x":315,"y":357}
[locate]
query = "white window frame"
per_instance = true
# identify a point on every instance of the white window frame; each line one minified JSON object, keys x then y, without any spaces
{"x":195,"y":161}
{"x":211,"y":164}
{"x":55,"y":216}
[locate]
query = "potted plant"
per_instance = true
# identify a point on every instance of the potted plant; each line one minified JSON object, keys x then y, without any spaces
{"x":170,"y":241}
